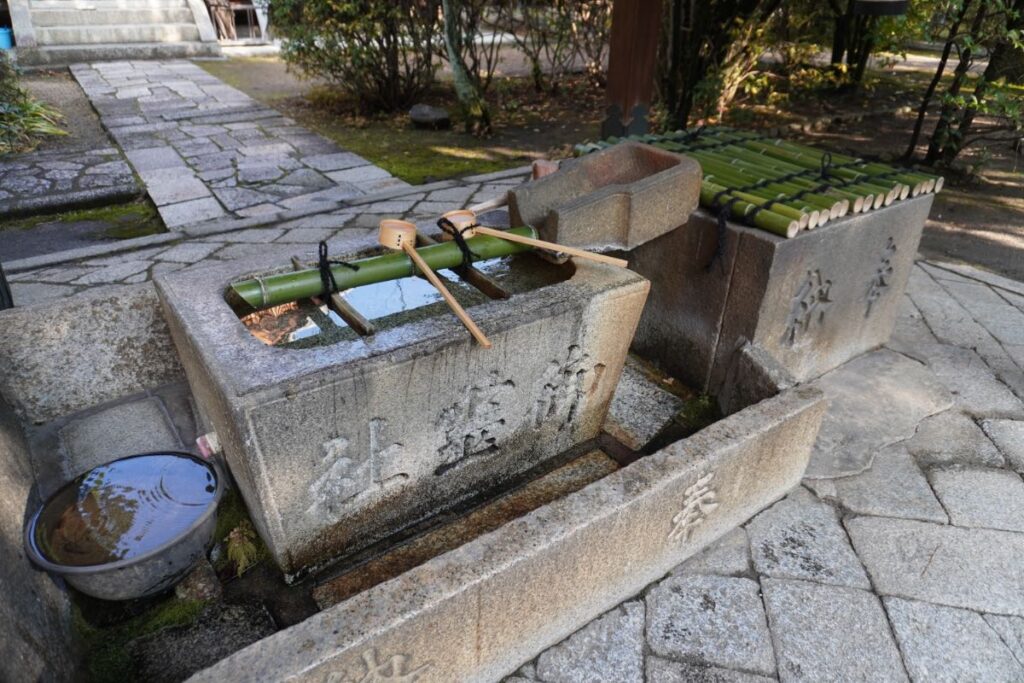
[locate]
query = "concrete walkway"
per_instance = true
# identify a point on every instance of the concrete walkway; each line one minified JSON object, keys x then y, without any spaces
{"x":911,"y":570}
{"x":205,"y":150}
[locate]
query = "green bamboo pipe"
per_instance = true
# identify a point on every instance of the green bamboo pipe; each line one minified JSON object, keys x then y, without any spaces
{"x":766,"y":220}
{"x":835,"y":207}
{"x":866,"y":195}
{"x":274,"y":290}
{"x":804,"y":215}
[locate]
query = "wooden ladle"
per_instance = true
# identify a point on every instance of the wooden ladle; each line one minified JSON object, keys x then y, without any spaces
{"x":401,"y":236}
{"x":464,"y":221}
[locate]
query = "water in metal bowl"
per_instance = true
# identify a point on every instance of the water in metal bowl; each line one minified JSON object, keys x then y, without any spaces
{"x":144,"y":519}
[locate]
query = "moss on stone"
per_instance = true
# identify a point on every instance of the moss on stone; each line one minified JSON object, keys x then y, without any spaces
{"x":698,"y":412}
{"x":107,"y":653}
{"x":125,"y":221}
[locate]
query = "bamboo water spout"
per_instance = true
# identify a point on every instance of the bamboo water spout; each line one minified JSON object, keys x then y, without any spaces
{"x":464,"y":221}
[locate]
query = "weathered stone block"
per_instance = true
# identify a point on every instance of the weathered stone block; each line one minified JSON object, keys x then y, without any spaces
{"x":337,"y":446}
{"x":620,"y":198}
{"x":517,"y":591}
{"x":59,"y":358}
{"x":811,"y":302}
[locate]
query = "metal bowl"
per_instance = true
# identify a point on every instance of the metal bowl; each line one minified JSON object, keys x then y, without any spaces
{"x":151,"y":571}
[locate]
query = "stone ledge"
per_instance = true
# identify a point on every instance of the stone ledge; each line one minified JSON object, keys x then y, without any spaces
{"x":68,"y":201}
{"x":520,"y":589}
{"x":34,"y":262}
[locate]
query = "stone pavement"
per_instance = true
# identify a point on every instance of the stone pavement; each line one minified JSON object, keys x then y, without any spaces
{"x":54,"y":180}
{"x":222,"y":240}
{"x":912,"y":569}
{"x":206,"y":150}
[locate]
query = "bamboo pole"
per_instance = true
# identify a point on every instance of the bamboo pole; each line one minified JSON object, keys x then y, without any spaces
{"x":464,"y":220}
{"x":282,"y":288}
{"x":401,"y":235}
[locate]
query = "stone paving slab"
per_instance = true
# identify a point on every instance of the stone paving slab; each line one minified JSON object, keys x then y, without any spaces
{"x":979,"y":569}
{"x":876,"y":399}
{"x":1008,"y":436}
{"x":712,"y":620}
{"x":665,"y":671}
{"x":953,"y":437}
{"x":941,"y":644}
{"x":206,"y":150}
{"x":53,"y":181}
{"x":610,"y":648}
{"x":893,"y":487}
{"x":830,"y":633}
{"x":801,"y":538}
{"x":967,"y":493}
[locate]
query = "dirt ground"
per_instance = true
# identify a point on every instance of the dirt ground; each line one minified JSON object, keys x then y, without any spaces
{"x":59,"y":89}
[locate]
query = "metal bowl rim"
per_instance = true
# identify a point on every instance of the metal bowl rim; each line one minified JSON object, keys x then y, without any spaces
{"x":37,"y":557}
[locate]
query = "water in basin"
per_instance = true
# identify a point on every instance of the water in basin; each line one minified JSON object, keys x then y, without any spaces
{"x":124,"y":509}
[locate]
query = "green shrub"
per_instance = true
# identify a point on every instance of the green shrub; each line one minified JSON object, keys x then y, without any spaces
{"x":22,"y":119}
{"x":380,"y":51}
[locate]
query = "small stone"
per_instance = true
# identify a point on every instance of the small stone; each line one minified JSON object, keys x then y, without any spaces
{"x":829,"y":633}
{"x":640,"y":408}
{"x":977,"y":497}
{"x":427,"y":116}
{"x":664,"y":671}
{"x":801,"y":538}
{"x":946,"y":644}
{"x":952,"y":437}
{"x":1008,"y":436}
{"x":711,"y":620}
{"x":728,"y":556}
{"x":200,"y":584}
{"x":893,"y":487}
{"x":608,"y":648}
{"x":979,"y":569}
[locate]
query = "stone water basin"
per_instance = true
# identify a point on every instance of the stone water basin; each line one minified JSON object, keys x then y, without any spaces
{"x":130,"y":528}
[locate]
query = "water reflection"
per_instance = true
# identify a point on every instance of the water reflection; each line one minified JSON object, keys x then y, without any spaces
{"x":124,"y":509}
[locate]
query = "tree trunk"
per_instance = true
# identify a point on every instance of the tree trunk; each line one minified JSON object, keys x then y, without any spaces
{"x":474,"y":107}
{"x":944,"y":127}
{"x":908,"y":156}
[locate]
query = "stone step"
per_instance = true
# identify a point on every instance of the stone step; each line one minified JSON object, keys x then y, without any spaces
{"x":87,"y":5}
{"x":117,"y":34}
{"x":47,"y":18}
{"x":61,"y":55}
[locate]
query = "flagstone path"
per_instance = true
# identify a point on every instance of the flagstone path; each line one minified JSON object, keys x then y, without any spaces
{"x":205,"y":150}
{"x":912,"y":570}
{"x":40,"y":279}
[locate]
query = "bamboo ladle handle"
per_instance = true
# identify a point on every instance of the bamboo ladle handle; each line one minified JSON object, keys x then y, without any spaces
{"x":464,"y":219}
{"x":401,"y":236}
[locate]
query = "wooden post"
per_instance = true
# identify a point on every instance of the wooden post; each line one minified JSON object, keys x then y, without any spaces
{"x":636,"y":32}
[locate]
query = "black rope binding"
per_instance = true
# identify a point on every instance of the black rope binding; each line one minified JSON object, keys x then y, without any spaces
{"x":460,"y":239}
{"x":330,"y":285}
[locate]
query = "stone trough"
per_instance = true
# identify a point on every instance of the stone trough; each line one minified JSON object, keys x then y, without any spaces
{"x":620,"y":198}
{"x":479,"y":611}
{"x":339,"y":445}
{"x":807,"y":304}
